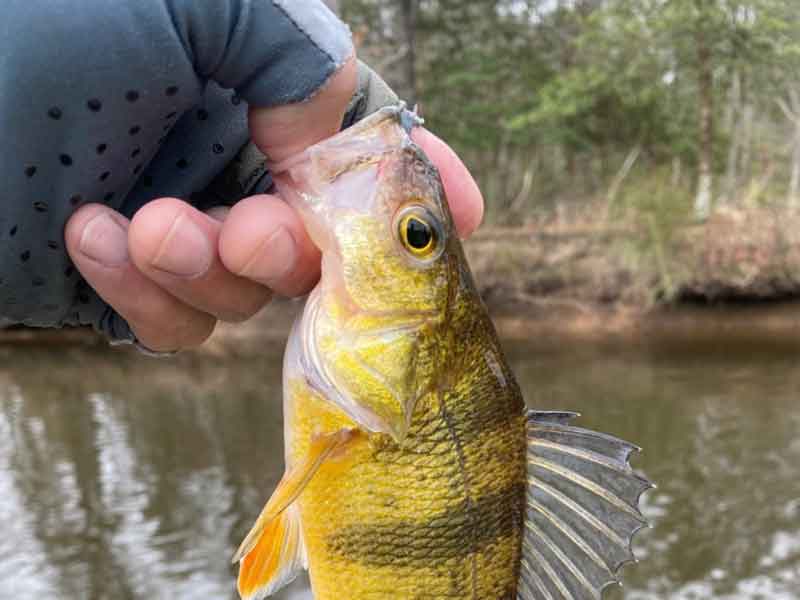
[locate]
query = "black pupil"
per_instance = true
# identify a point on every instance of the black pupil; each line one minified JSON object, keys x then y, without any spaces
{"x":418,"y":234}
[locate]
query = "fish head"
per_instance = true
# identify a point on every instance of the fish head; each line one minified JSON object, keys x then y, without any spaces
{"x":374,"y":205}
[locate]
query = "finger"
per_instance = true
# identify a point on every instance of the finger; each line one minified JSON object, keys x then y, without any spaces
{"x":463,"y":194}
{"x":97,"y":241}
{"x":283,"y":131}
{"x":175,"y":245}
{"x":264,"y":240}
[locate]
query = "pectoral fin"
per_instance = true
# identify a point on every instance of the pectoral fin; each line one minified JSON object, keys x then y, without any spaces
{"x":582,"y":510}
{"x":272,"y":554}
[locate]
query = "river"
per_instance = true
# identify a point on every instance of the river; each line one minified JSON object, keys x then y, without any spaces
{"x":128,"y":477}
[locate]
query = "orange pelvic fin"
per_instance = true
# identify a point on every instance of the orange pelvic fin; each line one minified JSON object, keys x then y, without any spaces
{"x":272,"y":554}
{"x":275,"y":558}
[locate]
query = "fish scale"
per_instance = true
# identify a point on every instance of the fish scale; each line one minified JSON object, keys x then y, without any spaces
{"x":432,"y":521}
{"x":426,"y":526}
{"x":413,"y":469}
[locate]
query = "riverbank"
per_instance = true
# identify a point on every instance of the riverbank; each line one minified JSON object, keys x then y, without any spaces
{"x":773,"y":324}
{"x":647,"y":263}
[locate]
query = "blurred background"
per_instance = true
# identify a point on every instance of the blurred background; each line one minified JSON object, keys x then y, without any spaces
{"x":650,"y":148}
{"x":640,"y":161}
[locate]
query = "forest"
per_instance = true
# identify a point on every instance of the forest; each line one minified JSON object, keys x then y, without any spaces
{"x":665,"y":132}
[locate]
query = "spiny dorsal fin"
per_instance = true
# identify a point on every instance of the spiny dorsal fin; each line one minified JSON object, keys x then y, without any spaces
{"x":582,"y":510}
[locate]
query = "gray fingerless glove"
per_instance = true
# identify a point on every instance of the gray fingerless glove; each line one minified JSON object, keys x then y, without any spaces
{"x":121,"y":102}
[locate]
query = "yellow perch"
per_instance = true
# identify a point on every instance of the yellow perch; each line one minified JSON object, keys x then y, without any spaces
{"x":413,"y":469}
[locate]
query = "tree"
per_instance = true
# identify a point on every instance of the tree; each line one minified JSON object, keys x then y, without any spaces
{"x":705,"y":99}
{"x":409,"y":10}
{"x":546,"y":99}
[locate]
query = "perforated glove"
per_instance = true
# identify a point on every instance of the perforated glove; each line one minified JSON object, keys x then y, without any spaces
{"x":122,"y":102}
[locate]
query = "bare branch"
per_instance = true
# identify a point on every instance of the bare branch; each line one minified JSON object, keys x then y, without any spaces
{"x":383,"y":65}
{"x":787,"y":112}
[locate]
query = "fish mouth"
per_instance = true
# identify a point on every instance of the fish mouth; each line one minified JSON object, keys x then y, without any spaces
{"x":323,"y":381}
{"x":399,"y":112}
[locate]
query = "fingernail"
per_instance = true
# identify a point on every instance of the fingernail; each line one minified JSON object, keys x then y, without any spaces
{"x":275,"y":258}
{"x":185,"y":251}
{"x":104,"y":240}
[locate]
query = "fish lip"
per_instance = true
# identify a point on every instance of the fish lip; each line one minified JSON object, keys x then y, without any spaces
{"x":407,"y":119}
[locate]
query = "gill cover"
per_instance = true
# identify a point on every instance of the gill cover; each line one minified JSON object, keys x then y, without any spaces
{"x":374,"y":205}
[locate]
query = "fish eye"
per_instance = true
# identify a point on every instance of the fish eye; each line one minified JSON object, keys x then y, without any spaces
{"x":419,"y":232}
{"x":417,"y":235}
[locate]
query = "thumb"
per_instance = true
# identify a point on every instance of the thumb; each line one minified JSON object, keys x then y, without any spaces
{"x":283,"y":131}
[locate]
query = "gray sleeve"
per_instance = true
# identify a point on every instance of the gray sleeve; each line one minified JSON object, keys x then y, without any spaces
{"x":120,"y":102}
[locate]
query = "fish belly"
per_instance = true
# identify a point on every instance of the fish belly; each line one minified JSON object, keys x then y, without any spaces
{"x":439,"y":517}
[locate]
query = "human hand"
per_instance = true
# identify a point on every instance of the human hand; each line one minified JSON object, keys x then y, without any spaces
{"x":173,"y":271}
{"x":113,"y":104}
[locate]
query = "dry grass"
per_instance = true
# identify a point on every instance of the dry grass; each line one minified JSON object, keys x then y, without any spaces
{"x":751,"y":255}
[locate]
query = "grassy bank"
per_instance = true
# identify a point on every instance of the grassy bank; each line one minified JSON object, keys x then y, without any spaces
{"x":641,"y":265}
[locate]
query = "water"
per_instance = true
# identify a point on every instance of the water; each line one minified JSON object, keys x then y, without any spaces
{"x":124,"y":477}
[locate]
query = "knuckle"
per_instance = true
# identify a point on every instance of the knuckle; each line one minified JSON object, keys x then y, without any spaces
{"x":154,"y":340}
{"x":248,"y":306}
{"x":301,"y":283}
{"x":193,"y":330}
{"x":174,"y":329}
{"x":200,"y":335}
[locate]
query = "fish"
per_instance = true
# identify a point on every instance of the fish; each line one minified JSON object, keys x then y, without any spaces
{"x":413,"y":468}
